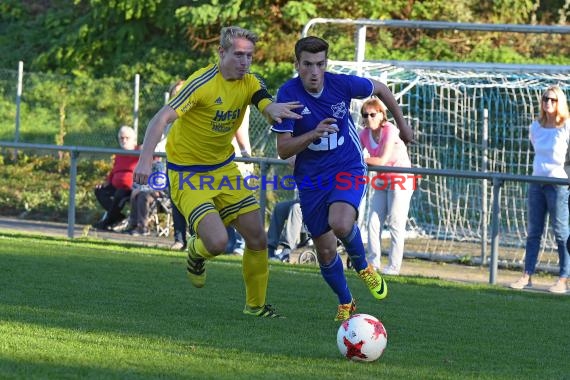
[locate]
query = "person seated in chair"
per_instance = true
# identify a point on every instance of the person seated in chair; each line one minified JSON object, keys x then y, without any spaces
{"x":288,"y":236}
{"x":142,"y":198}
{"x":114,"y":193}
{"x":277,"y":234}
{"x":236,"y":243}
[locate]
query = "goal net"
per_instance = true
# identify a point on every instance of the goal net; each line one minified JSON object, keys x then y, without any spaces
{"x":468,"y":120}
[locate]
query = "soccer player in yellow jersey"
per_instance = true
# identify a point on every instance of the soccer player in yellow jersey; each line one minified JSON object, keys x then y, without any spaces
{"x":204,"y":180}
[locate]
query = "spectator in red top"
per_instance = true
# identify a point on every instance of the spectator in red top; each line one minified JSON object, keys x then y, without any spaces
{"x":115,"y":192}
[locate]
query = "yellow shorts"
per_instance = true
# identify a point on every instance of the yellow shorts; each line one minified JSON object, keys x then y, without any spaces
{"x":222,"y":191}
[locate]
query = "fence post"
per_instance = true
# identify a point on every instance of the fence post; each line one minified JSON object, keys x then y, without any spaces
{"x":18,"y":103}
{"x":360,"y":47}
{"x":72,"y":191}
{"x":484,"y":169}
{"x":497,"y":183}
{"x":136,"y":106}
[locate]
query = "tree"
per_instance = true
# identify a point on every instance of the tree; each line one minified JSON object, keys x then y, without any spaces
{"x":164,"y":39}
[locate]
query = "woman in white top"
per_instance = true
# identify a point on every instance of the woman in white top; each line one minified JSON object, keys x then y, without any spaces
{"x":549,"y":136}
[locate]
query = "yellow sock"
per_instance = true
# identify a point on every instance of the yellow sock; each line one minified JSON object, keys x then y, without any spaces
{"x":198,"y":246}
{"x":255,"y":275}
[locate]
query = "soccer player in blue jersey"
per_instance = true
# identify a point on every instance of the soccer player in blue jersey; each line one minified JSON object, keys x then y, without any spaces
{"x":330,"y":169}
{"x":206,"y":114}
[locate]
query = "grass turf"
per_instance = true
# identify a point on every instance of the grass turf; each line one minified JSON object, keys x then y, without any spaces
{"x":88,"y":309}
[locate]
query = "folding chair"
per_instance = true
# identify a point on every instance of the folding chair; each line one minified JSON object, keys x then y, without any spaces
{"x":161,"y":215}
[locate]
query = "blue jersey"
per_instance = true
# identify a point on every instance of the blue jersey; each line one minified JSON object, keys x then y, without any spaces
{"x":337,"y":152}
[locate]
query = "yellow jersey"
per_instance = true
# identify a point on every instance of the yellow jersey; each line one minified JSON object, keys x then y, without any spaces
{"x":210,"y":109}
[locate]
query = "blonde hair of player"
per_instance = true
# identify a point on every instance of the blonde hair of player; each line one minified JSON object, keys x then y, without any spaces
{"x":229,"y":33}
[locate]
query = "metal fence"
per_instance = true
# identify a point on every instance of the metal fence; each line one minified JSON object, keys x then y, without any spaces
{"x":64,"y":110}
{"x":82,"y":115}
{"x":497,"y":180}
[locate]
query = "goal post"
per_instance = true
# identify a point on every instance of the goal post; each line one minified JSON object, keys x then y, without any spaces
{"x":469,"y":117}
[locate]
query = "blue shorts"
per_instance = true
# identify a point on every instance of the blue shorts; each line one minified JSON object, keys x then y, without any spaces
{"x":315,"y":203}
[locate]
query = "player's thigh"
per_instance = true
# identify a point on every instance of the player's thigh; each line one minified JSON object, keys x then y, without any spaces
{"x":235,"y":199}
{"x":193,"y":202}
{"x":213,"y":233}
{"x":342,"y":216}
{"x":343,"y":210}
{"x":314,"y":207}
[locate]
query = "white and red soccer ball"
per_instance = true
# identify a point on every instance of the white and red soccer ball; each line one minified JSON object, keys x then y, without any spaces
{"x":362,"y":337}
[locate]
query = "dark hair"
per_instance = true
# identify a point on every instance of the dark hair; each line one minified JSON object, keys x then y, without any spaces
{"x":311,"y":44}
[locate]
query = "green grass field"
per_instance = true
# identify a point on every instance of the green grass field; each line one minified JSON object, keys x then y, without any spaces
{"x":88,"y":309}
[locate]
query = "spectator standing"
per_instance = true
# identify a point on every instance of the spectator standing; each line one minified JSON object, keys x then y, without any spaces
{"x":114,"y":193}
{"x":549,"y":136}
{"x":391,"y":198}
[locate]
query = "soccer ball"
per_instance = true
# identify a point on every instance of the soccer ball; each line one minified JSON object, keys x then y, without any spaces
{"x":362,"y":337}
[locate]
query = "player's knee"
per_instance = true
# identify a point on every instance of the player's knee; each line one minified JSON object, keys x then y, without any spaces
{"x":262,"y":240}
{"x":326,"y":256}
{"x":256,"y":242}
{"x":216,"y":246}
{"x":341,"y":229}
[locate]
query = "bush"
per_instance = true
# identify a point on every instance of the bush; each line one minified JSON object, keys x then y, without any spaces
{"x":37,"y":187}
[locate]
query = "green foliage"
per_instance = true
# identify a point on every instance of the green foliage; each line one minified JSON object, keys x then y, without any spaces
{"x":77,"y":110}
{"x":81,"y":57}
{"x":487,"y":53}
{"x":37,"y":187}
{"x":505,"y":11}
{"x":165,"y":39}
{"x":91,"y":37}
{"x":274,"y":74}
{"x":300,"y":11}
{"x":209,"y":13}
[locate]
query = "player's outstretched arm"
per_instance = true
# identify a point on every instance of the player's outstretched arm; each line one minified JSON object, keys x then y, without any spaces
{"x":385,"y":95}
{"x":289,"y":146}
{"x":156,"y":125}
{"x":279,"y":111}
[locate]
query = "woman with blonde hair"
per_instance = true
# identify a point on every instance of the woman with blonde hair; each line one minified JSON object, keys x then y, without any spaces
{"x":549,"y":136}
{"x":392,"y":194}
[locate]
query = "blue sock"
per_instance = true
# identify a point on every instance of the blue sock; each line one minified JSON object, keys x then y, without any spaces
{"x":355,"y":248}
{"x":333,"y":274}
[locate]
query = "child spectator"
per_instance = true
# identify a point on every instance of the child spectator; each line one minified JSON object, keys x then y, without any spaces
{"x":142,"y":198}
